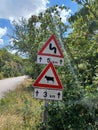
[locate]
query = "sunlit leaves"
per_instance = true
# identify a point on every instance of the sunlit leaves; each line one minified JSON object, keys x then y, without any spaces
{"x":10,"y":64}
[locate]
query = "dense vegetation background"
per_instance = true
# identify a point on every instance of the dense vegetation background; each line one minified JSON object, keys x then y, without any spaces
{"x":79,"y":108}
{"x":10,"y":65}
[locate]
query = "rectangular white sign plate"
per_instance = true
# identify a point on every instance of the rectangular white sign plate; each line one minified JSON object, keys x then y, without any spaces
{"x":50,"y":94}
{"x":41,"y":59}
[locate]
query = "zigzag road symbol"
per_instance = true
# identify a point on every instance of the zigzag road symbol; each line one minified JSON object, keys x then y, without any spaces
{"x":52,"y":48}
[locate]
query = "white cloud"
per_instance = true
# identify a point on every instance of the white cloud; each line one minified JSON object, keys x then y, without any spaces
{"x":3,"y":32}
{"x":14,"y":9}
{"x":1,"y":41}
{"x":65,"y":14}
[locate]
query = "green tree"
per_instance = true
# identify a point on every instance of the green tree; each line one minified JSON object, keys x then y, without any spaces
{"x":79,"y":107}
{"x":29,"y":36}
{"x":10,"y":64}
{"x":78,"y":110}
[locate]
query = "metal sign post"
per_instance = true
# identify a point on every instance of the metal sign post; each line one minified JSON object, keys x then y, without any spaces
{"x":45,"y":113}
{"x":48,"y":85}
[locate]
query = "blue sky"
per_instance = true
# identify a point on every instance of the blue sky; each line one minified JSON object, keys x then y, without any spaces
{"x":12,"y":10}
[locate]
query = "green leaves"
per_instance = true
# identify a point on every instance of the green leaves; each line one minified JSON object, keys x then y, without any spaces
{"x":74,"y":112}
{"x":10,"y":64}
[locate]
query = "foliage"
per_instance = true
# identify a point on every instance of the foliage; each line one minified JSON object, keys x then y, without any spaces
{"x":75,"y":116}
{"x":29,"y":36}
{"x":18,"y":109}
{"x":11,"y":64}
{"x":79,"y":108}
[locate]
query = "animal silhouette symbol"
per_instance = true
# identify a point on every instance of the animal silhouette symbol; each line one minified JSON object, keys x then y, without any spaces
{"x":48,"y":78}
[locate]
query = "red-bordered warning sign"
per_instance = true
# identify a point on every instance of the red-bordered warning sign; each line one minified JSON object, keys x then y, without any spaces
{"x":48,"y":78}
{"x":51,"y":48}
{"x":51,"y":51}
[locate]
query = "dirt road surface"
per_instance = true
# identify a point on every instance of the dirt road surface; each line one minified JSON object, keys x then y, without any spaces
{"x":10,"y":84}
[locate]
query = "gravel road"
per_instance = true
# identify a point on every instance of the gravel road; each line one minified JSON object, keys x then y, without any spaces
{"x":10,"y":84}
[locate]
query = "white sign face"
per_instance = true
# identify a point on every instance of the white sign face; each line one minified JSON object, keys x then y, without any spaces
{"x":41,"y":59}
{"x":51,"y":52}
{"x":51,"y":48}
{"x":48,"y":78}
{"x":47,"y":94}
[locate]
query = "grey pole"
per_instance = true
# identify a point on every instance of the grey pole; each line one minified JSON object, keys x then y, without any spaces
{"x":45,"y":114}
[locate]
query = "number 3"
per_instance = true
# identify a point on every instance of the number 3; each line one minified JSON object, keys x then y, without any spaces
{"x":45,"y":94}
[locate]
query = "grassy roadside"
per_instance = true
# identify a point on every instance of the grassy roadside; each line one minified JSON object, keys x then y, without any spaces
{"x":19,"y":110}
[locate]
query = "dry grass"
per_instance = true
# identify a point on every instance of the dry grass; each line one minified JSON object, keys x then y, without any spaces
{"x":19,"y":110}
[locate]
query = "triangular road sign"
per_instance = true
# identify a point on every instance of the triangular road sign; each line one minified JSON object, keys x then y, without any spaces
{"x":48,"y":78}
{"x":51,"y":51}
{"x":51,"y":48}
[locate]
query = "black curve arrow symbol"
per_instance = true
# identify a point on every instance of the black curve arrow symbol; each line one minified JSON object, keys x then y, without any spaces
{"x":52,"y":48}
